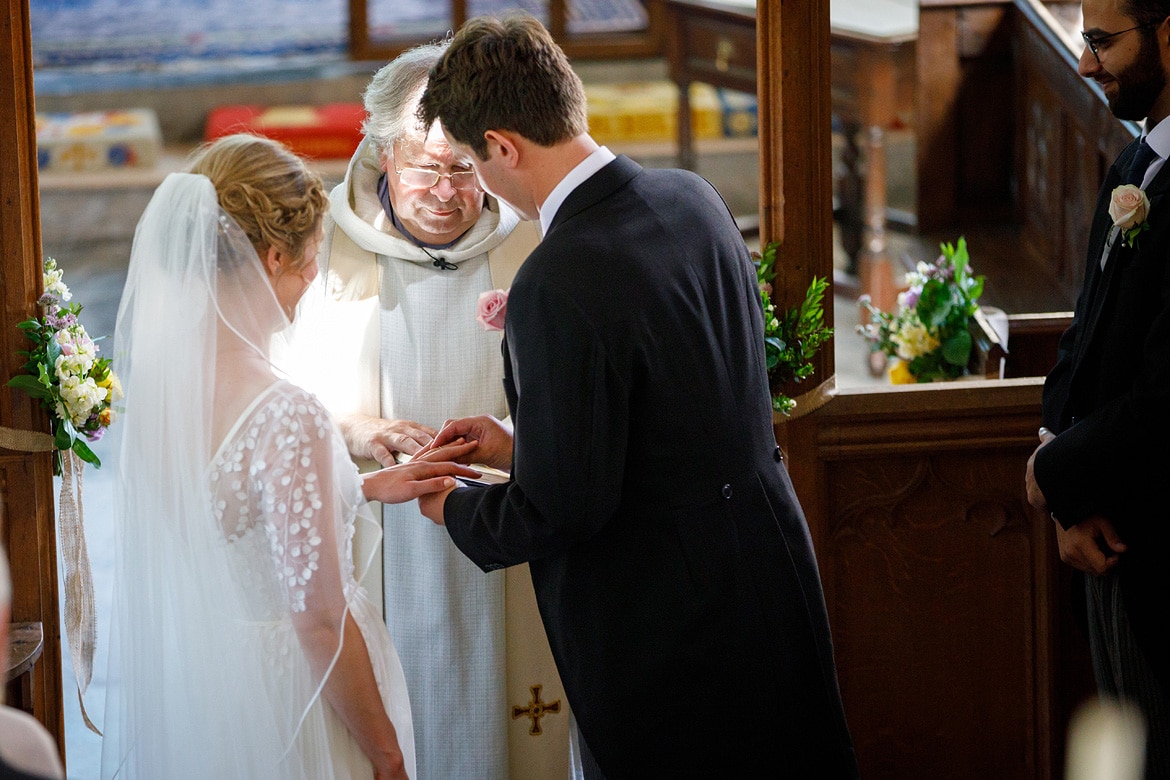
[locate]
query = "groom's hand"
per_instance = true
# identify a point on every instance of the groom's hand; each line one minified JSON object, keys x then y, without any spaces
{"x":374,"y":438}
{"x":492,"y":438}
{"x":431,"y":506}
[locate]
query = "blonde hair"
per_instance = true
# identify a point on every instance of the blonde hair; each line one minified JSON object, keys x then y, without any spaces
{"x":269,"y":191}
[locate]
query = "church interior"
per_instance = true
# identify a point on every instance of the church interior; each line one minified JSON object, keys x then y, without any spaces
{"x":860,"y":134}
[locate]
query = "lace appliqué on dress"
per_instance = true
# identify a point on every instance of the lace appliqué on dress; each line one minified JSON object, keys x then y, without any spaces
{"x":265,"y":479}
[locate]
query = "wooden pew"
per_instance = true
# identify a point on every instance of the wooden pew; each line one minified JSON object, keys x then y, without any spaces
{"x":956,"y":651}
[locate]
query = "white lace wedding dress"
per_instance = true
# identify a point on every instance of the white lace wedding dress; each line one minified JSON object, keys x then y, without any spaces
{"x":233,"y":573}
{"x":271,"y":485}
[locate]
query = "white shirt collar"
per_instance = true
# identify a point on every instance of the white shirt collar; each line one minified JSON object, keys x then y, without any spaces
{"x":1159,"y":140}
{"x":598,"y":159}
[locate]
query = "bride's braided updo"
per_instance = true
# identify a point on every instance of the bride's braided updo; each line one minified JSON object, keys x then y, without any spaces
{"x":269,"y":191}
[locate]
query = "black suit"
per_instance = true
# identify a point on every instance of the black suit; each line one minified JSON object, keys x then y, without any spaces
{"x":1108,"y":398}
{"x":670,"y":557}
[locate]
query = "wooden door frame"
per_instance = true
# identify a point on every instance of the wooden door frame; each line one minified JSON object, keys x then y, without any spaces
{"x":26,"y":479}
{"x":795,"y":135}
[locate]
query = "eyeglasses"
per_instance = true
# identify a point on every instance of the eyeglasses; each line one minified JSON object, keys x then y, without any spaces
{"x":426,"y":179}
{"x":1094,"y":41}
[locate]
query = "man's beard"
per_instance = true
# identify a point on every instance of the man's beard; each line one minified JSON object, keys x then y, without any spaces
{"x":1139,"y":85}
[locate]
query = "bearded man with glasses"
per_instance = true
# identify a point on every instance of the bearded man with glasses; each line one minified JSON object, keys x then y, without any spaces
{"x":388,"y":339}
{"x":1105,"y":402}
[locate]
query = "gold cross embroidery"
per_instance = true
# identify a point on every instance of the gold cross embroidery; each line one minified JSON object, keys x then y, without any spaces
{"x":536,"y":710}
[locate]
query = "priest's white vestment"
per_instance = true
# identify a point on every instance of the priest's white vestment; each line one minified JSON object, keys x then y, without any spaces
{"x":386,"y":331}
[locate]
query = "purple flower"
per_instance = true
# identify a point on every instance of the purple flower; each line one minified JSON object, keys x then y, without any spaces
{"x":911,"y":299}
{"x":93,"y":428}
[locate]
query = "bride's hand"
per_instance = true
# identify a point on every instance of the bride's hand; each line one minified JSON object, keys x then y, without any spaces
{"x":390,"y":767}
{"x":408,"y":481}
{"x":459,"y":451}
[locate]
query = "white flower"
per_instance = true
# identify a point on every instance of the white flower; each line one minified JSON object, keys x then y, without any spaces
{"x":81,"y":398}
{"x":54,"y":284}
{"x":1128,"y":206}
{"x":77,"y":350}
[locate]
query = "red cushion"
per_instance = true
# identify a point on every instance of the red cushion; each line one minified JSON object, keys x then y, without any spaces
{"x":332,"y":130}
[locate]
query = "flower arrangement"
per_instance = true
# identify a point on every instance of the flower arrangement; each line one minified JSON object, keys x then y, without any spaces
{"x":64,"y":372}
{"x":1129,"y":207}
{"x":792,"y":337}
{"x":929,"y":334}
{"x":491,"y":309}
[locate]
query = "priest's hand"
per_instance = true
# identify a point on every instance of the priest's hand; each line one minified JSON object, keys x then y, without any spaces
{"x":492,"y":438}
{"x":374,"y":438}
{"x":1091,"y":545}
{"x":407,"y":481}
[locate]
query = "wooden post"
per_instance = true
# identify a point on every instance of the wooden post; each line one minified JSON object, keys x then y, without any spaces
{"x":26,"y":479}
{"x":796,"y":177}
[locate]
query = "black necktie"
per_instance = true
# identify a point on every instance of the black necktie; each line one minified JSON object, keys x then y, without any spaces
{"x":1141,"y":160}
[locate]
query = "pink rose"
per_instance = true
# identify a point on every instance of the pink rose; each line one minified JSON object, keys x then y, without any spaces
{"x":491,"y":309}
{"x":1128,"y":206}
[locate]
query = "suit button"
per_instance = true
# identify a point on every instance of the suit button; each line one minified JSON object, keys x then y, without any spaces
{"x":778,"y":455}
{"x":727,"y":491}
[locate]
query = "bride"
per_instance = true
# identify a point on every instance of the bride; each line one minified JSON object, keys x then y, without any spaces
{"x":242,"y":645}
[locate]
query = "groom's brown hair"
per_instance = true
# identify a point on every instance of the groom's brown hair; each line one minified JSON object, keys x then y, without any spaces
{"x":505,"y":74}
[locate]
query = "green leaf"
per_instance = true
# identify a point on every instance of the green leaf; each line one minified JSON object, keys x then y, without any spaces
{"x":64,"y":436}
{"x":30,"y":385}
{"x":85,"y":453}
{"x":52,"y":350}
{"x":957,"y":349}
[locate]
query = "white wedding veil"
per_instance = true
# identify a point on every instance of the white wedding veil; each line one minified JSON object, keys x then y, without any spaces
{"x":185,"y":656}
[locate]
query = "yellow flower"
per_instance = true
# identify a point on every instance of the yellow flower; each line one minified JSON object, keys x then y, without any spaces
{"x":107,"y":416}
{"x":900,"y":373}
{"x":113,"y":384}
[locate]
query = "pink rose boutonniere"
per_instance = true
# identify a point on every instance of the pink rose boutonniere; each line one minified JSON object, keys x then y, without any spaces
{"x":491,"y":309}
{"x":1129,"y":207}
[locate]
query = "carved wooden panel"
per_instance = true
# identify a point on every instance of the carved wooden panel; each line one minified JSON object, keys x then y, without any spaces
{"x":954,"y":651}
{"x":1042,"y":155}
{"x":943,"y":544}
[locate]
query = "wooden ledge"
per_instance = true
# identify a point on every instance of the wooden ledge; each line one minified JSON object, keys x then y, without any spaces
{"x":27,"y":640}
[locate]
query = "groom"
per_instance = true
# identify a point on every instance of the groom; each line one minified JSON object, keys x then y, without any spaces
{"x":672,"y":565}
{"x":1102,"y":464}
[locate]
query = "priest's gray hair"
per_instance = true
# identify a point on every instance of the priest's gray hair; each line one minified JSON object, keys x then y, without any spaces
{"x":392,"y":94}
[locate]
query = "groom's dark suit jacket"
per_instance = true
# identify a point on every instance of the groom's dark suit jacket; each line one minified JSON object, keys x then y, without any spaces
{"x":670,"y":557}
{"x":1109,"y":399}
